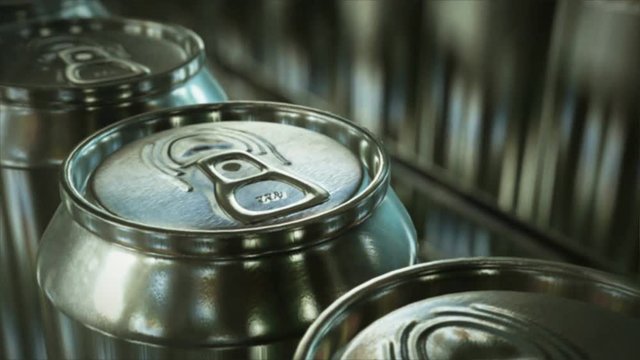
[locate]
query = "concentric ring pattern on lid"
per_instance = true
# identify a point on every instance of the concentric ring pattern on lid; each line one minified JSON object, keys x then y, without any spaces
{"x":71,"y":60}
{"x":229,"y":179}
{"x":230,"y":174}
{"x":490,"y":325}
{"x":480,"y":308}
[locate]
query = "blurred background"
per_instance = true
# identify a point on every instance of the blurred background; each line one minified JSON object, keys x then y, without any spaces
{"x":513,"y":125}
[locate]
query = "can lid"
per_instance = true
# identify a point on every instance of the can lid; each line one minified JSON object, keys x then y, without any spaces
{"x":229,"y":179}
{"x":225,"y":175}
{"x":495,"y":325}
{"x":480,"y":308}
{"x":94,"y":60}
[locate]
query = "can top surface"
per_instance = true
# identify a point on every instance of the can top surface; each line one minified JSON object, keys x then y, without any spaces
{"x":92,"y":60}
{"x":491,"y":325}
{"x":225,"y":175}
{"x":234,"y":178}
{"x":480,"y":308}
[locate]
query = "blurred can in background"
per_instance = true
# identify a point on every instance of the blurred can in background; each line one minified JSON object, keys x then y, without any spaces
{"x":61,"y":80}
{"x":215,"y":231}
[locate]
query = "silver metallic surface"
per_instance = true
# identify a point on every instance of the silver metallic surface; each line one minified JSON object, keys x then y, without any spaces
{"x":245,"y":291}
{"x":41,"y":122}
{"x":225,"y":175}
{"x":481,"y":308}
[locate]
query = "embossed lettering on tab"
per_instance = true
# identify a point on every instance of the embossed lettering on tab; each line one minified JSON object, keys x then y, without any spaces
{"x":271,"y":197}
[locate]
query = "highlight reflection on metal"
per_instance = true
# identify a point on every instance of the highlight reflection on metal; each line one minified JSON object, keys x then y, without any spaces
{"x":480,"y":308}
{"x":183,"y":287}
{"x":43,"y":115}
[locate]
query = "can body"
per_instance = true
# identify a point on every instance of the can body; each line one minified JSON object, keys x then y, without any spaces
{"x":34,"y":139}
{"x":385,"y":234}
{"x":216,"y":292}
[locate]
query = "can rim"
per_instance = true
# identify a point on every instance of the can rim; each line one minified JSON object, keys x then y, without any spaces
{"x":420,"y":276}
{"x":115,"y":91}
{"x":240,"y":242}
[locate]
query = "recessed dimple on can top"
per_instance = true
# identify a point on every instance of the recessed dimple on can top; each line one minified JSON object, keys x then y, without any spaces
{"x":228,"y":175}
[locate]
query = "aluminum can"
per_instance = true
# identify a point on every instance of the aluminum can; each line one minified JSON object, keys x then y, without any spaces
{"x":216,"y":231}
{"x":481,"y":308}
{"x":61,"y":80}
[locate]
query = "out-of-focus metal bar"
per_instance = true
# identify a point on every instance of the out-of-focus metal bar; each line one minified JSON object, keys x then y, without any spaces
{"x":481,"y":73}
{"x":586,"y":164}
{"x":446,"y":217}
{"x":22,"y":333}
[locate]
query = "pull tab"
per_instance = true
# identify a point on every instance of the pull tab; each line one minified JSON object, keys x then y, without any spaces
{"x":251,"y":191}
{"x":91,"y":64}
